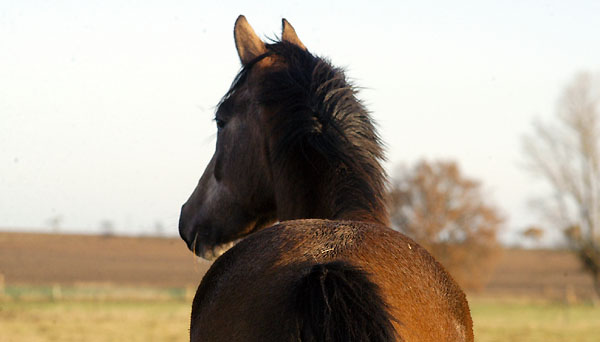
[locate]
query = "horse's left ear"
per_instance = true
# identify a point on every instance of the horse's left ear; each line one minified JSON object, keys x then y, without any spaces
{"x":288,"y":34}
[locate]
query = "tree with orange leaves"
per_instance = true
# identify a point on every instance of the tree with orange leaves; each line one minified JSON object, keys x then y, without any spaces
{"x":446,"y":213}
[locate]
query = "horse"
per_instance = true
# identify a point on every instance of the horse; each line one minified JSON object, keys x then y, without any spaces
{"x":296,"y":186}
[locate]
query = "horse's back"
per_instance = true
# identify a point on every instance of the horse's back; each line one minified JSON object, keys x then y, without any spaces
{"x":250,"y":293}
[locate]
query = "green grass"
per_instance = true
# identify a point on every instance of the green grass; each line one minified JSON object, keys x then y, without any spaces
{"x":94,"y":321}
{"x":167,"y":319}
{"x":93,"y":292}
{"x":535,"y":322}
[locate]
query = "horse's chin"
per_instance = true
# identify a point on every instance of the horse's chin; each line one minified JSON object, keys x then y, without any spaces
{"x":210,"y":253}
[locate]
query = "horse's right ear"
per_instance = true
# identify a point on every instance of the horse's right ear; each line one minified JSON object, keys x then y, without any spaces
{"x":288,"y":34}
{"x":248,"y":45}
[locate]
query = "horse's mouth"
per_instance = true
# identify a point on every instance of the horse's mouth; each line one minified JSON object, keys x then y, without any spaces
{"x":209,"y":252}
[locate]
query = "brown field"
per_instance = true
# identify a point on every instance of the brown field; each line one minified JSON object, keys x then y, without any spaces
{"x":551,"y":274}
{"x":46,"y":259}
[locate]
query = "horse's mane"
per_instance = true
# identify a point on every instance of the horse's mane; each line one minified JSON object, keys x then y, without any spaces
{"x":321,"y":121}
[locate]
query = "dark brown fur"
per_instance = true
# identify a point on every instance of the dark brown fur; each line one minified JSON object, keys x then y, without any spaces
{"x":295,"y":143}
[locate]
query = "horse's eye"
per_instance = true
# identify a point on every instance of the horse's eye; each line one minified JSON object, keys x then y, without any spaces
{"x":220,"y":123}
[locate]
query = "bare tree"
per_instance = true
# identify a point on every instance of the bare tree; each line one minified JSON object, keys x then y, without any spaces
{"x":445,"y":213}
{"x":55,"y":223}
{"x":533,"y":233}
{"x":159,"y":228}
{"x":107,"y":228}
{"x":566,"y":154}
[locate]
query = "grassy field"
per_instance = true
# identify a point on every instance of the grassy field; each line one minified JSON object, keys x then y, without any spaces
{"x":535,"y":321}
{"x":94,"y":321}
{"x":91,"y":288}
{"x":168,"y":320}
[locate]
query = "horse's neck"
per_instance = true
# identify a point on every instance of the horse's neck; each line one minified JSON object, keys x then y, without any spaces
{"x":380,"y":216}
{"x":307,"y":199}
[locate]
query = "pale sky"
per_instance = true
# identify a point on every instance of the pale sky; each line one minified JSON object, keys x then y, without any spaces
{"x":106,"y":107}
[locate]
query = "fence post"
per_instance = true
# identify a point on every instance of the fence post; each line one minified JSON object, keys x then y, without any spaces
{"x":2,"y":286}
{"x":56,"y":292}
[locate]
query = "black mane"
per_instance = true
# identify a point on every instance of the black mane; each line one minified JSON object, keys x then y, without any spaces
{"x":322,"y":129}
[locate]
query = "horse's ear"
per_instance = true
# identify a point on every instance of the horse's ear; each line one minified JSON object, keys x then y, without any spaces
{"x":248,"y":45}
{"x":288,"y":34}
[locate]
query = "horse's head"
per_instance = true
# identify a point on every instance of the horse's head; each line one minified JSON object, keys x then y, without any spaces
{"x":235,"y":195}
{"x":293,"y":142}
